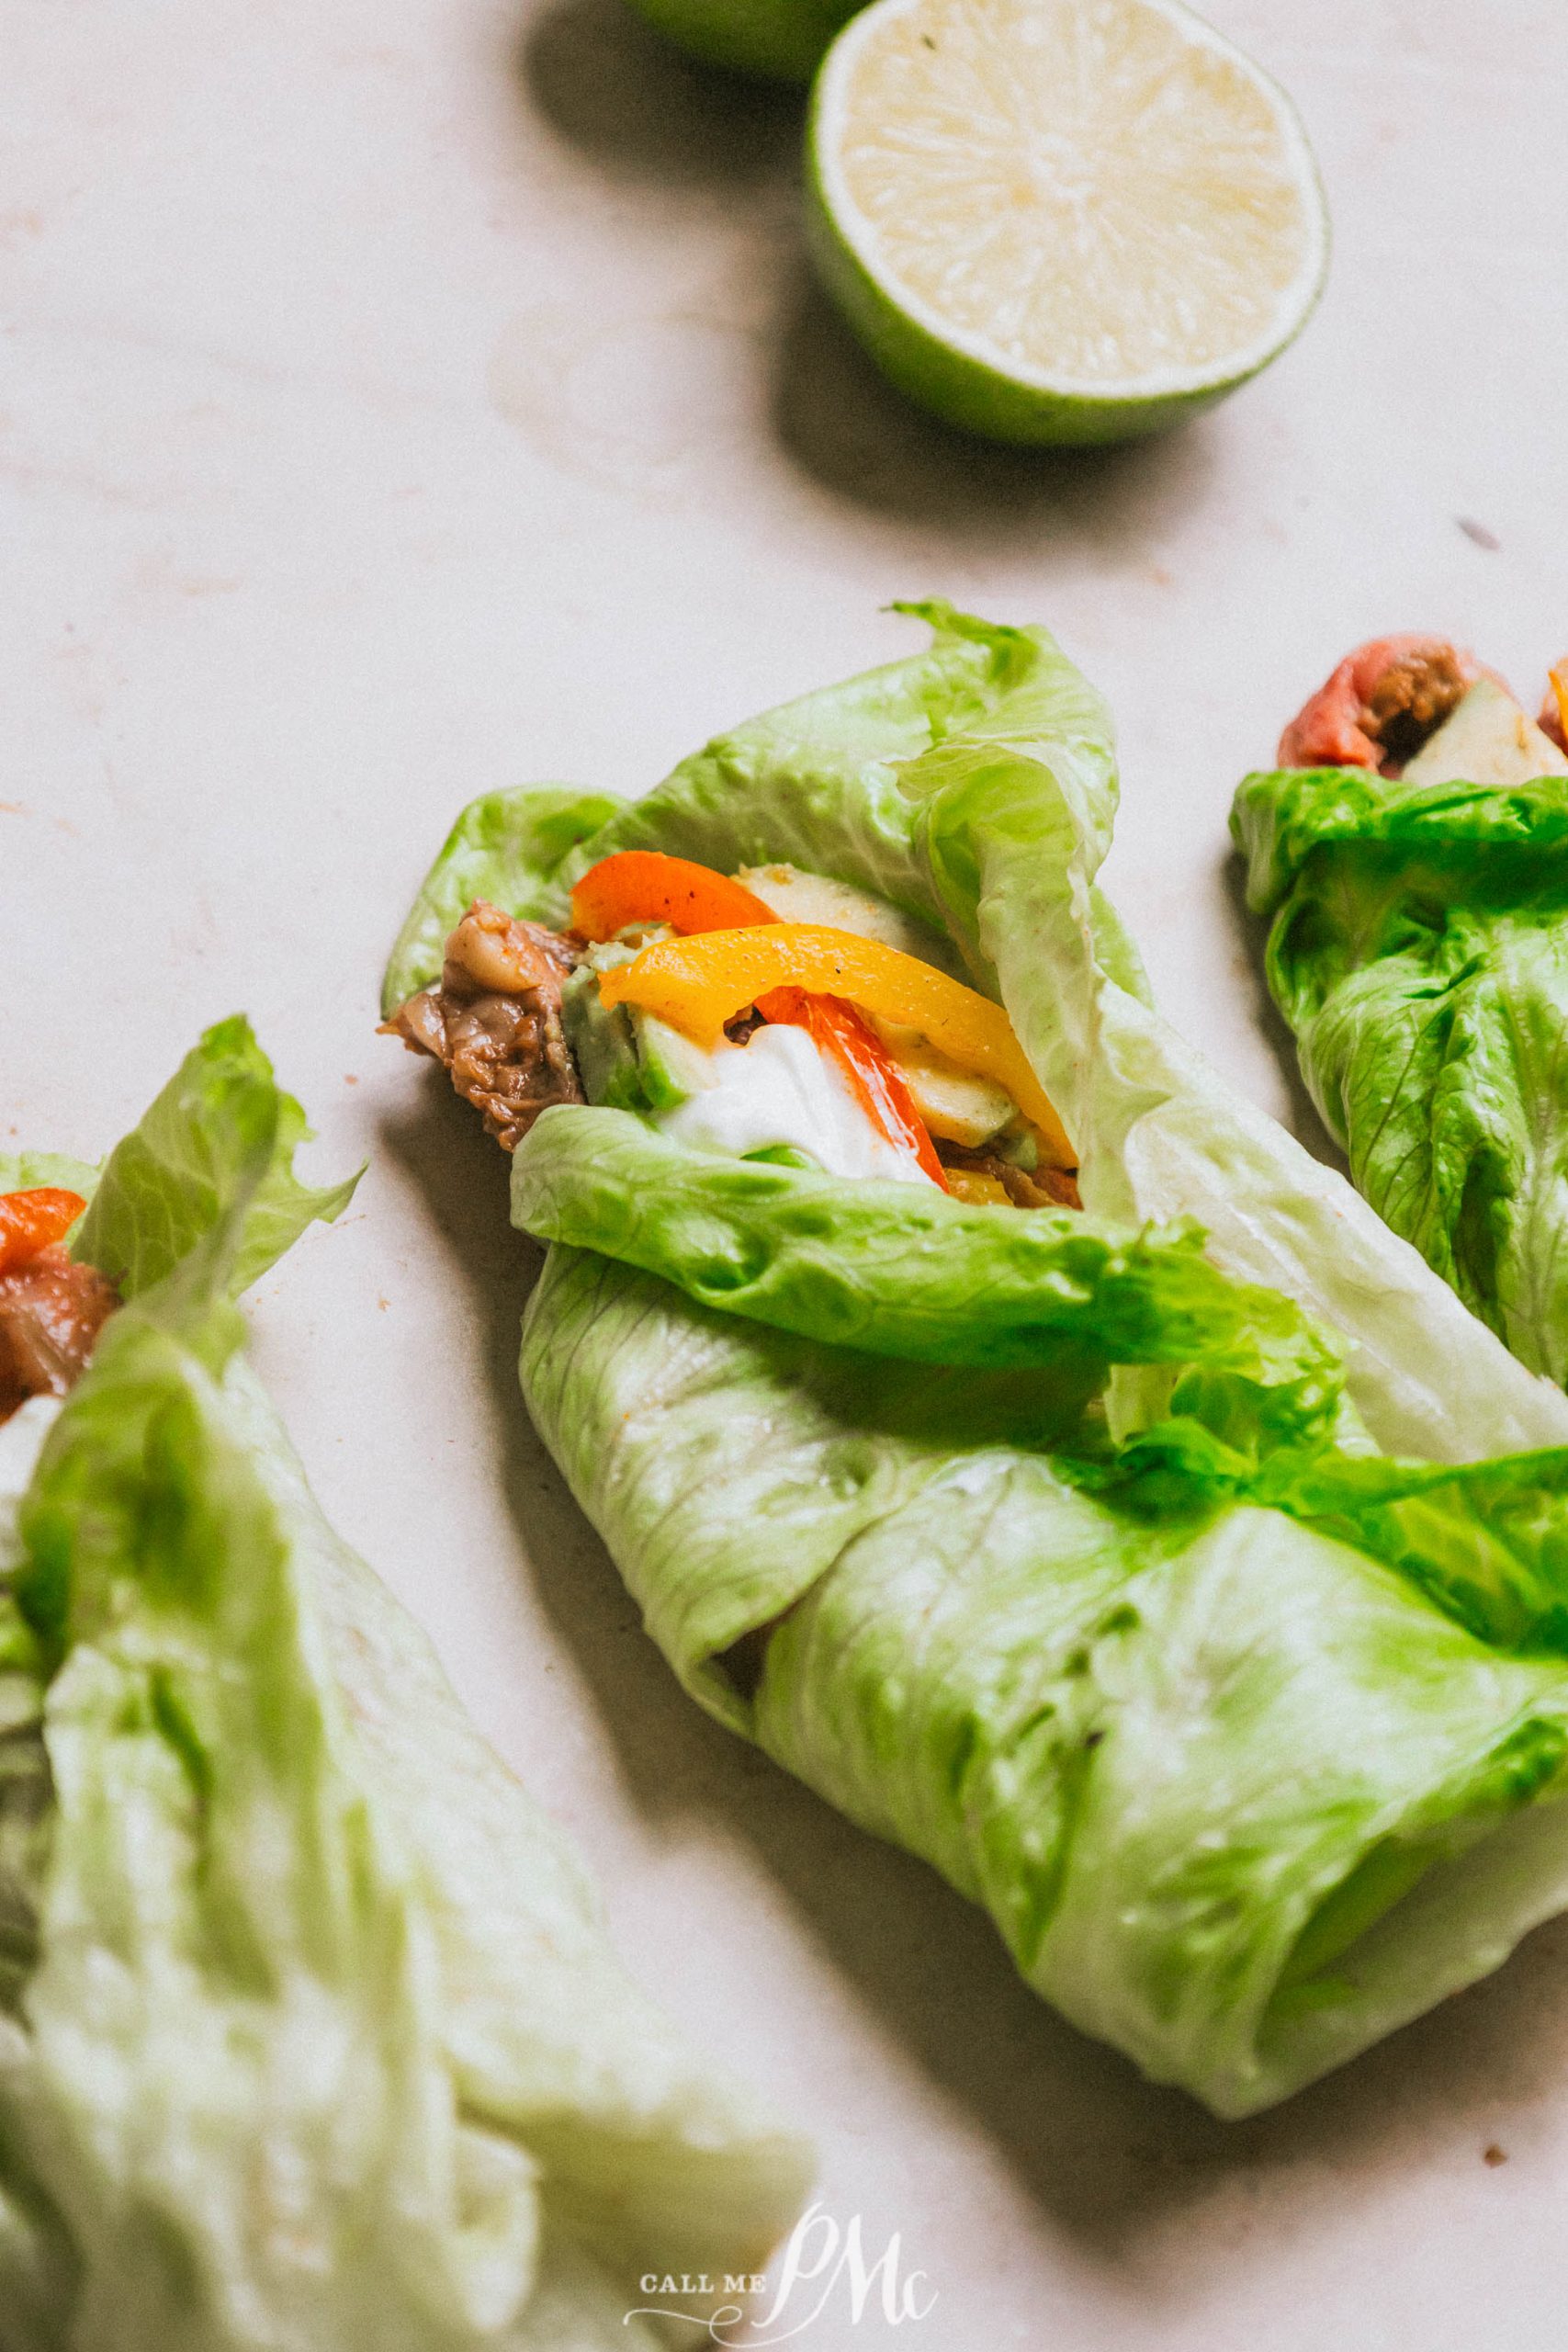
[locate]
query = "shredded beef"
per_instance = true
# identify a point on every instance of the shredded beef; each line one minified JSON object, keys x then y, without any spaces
{"x":1042,"y":1188}
{"x":1412,"y":699}
{"x":51,"y":1311}
{"x":494,"y":1022}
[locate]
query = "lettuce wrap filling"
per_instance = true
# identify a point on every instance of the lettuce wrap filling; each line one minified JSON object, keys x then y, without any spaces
{"x":310,"y":2034}
{"x":1140,"y":1561}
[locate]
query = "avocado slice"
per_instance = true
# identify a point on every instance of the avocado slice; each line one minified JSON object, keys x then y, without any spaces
{"x":625,"y":1057}
{"x":1486,"y":738}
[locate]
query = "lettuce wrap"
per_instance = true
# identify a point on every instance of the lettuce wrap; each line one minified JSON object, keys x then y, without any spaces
{"x":1144,"y":1568}
{"x":1418,"y":950}
{"x":309,"y":2033}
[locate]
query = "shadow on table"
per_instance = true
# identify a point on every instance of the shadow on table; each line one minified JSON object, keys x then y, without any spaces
{"x":642,"y":117}
{"x":632,"y":105}
{"x":1110,"y":2158}
{"x":851,"y":432}
{"x":1303,"y":1118}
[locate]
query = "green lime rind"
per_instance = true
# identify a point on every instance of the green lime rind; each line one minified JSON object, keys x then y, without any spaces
{"x":774,"y":41}
{"x":937,"y":373}
{"x":962,"y":391}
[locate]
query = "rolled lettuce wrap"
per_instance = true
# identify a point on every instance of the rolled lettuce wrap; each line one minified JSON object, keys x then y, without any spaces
{"x":310,"y":2034}
{"x":1139,"y":1564}
{"x":1411,"y":854}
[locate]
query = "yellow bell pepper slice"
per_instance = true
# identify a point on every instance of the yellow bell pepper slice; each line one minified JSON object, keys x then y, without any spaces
{"x":696,"y":984}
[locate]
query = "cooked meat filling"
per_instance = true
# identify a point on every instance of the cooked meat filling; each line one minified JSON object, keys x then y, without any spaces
{"x":1041,"y":1188}
{"x":494,"y":1021}
{"x":1412,"y":699}
{"x":1380,"y":706}
{"x":51,"y":1311}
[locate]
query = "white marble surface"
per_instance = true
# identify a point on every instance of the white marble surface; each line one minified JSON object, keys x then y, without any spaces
{"x":405,"y":397}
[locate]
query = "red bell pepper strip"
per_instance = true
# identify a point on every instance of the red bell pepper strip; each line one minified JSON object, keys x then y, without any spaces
{"x":875,"y":1079}
{"x":31,"y":1221}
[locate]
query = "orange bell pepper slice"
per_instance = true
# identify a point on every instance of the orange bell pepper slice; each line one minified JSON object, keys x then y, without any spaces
{"x":698,"y":984}
{"x":644,"y":886}
{"x":31,"y":1221}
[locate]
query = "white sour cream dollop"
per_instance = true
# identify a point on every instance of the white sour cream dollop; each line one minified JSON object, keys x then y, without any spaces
{"x":780,"y":1088}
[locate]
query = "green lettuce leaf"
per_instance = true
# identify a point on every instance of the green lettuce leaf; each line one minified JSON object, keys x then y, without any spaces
{"x":311,"y":2035}
{"x":506,"y":848}
{"x":221,"y":1136}
{"x":23,"y":1171}
{"x":1249,"y":1736}
{"x":1418,"y":950}
{"x":1487,"y":1541}
{"x":1239,"y":1797}
{"x":904,"y":1270}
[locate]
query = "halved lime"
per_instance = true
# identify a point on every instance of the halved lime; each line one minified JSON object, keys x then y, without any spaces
{"x":782,"y":40}
{"x":1060,"y":221}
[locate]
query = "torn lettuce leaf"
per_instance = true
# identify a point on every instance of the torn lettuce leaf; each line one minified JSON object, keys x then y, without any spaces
{"x":1419,"y":951}
{"x":221,"y":1133}
{"x":25,"y":1172}
{"x":311,"y":2036}
{"x":1249,"y":1761}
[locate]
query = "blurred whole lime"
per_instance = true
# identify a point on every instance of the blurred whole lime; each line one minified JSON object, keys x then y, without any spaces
{"x":783,"y":40}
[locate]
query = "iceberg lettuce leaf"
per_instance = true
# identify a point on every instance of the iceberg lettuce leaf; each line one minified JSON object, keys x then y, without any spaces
{"x":1420,"y":952}
{"x":217,"y":1143}
{"x":1155,"y":1737}
{"x":313,"y":2035}
{"x":903,"y":1270}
